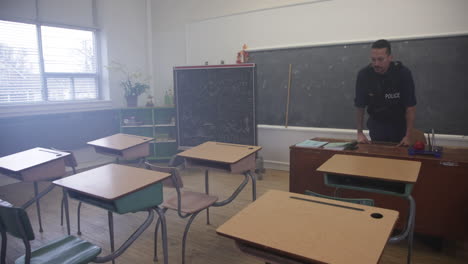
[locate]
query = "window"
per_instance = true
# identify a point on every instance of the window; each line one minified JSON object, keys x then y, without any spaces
{"x":43,"y":63}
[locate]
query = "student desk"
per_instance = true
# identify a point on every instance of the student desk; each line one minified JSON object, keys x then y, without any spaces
{"x":233,"y":158}
{"x":120,"y":189}
{"x":123,"y":146}
{"x":33,"y":165}
{"x":309,"y":229}
{"x":378,"y":175}
{"x":440,"y":191}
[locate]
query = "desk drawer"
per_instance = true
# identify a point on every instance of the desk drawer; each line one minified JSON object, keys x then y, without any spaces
{"x":137,"y":201}
{"x":241,"y":166}
{"x":47,"y":171}
{"x":368,"y":184}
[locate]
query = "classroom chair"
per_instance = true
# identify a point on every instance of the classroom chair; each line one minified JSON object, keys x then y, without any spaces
{"x":186,"y":203}
{"x":69,"y":249}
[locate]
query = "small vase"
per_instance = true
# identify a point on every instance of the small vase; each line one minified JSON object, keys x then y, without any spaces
{"x":131,"y":100}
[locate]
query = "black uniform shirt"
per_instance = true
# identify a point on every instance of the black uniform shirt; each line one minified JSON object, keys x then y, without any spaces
{"x":386,"y":95}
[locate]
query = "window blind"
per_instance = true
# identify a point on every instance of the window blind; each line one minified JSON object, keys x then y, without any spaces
{"x":20,"y":79}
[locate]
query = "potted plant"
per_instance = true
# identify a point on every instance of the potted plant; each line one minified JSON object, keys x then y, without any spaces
{"x":133,"y":89}
{"x":134,"y":85}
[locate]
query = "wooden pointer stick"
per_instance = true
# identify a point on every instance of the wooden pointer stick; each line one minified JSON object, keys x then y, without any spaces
{"x":289,"y":92}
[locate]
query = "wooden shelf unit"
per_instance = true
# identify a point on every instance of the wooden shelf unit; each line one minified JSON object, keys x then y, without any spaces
{"x":156,"y":122}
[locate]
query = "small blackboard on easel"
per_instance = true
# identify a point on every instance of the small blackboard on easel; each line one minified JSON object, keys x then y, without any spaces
{"x":215,"y":103}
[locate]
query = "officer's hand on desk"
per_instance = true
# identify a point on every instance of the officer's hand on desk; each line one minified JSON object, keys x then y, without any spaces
{"x":404,"y":142}
{"x":361,"y":138}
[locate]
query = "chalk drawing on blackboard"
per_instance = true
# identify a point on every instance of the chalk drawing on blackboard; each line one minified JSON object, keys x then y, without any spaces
{"x":215,"y":103}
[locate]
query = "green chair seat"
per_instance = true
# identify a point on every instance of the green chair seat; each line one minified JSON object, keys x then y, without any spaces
{"x":67,"y":250}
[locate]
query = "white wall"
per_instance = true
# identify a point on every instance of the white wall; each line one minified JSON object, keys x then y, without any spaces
{"x":123,"y":27}
{"x":337,"y":21}
{"x":169,"y":30}
{"x":194,"y":31}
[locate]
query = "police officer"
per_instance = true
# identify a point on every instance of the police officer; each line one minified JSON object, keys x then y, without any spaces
{"x":386,"y":88}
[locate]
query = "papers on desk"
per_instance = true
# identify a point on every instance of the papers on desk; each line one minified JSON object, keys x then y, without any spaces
{"x":341,"y":145}
{"x":311,"y":144}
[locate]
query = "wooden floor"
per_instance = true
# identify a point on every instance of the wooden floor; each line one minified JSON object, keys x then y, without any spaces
{"x":203,"y":244}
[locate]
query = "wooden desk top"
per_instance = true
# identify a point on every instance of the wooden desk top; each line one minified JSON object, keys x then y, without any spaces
{"x":381,"y":168}
{"x":111,"y":181}
{"x":220,"y":152}
{"x":312,"y":231}
{"x":30,"y":158}
{"x":119,"y":141}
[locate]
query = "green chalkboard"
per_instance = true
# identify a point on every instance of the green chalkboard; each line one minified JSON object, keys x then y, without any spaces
{"x":215,"y":103}
{"x":323,"y":82}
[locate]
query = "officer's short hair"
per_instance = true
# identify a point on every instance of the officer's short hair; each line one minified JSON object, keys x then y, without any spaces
{"x":382,"y":43}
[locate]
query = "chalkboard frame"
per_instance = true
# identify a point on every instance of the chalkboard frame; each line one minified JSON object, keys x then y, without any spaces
{"x":179,"y":121}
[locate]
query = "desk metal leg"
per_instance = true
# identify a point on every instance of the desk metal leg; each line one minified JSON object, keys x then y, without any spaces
{"x":408,"y":232}
{"x":38,"y":196}
{"x":411,"y":222}
{"x":111,"y":231}
{"x":162,"y":219}
{"x":38,"y":206}
{"x":67,"y":213}
{"x":141,"y":162}
{"x":184,"y":238}
{"x":235,"y":193}
{"x":129,"y":241}
{"x":78,"y":218}
{"x":3,"y":250}
{"x":254,"y":185}
{"x":207,"y":191}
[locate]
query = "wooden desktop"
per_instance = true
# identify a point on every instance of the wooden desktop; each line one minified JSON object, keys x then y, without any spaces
{"x":371,"y":174}
{"x":440,"y":191}
{"x":393,"y":177}
{"x":233,"y":158}
{"x":120,"y":189}
{"x":123,"y":146}
{"x":33,"y":165}
{"x":308,"y":229}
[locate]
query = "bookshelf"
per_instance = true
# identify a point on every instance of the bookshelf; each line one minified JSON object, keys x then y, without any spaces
{"x":156,"y":122}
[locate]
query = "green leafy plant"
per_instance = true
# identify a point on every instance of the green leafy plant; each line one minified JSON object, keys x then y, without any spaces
{"x":134,"y":84}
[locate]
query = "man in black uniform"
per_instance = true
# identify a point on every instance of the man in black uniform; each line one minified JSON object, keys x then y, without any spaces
{"x":387,"y":89}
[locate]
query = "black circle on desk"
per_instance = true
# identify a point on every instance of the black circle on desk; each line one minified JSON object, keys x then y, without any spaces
{"x":376,"y":215}
{"x":250,"y":148}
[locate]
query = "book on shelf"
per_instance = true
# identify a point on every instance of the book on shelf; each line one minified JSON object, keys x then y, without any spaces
{"x":311,"y":143}
{"x":341,"y":145}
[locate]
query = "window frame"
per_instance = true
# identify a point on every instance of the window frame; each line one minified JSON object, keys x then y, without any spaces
{"x":97,"y":76}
